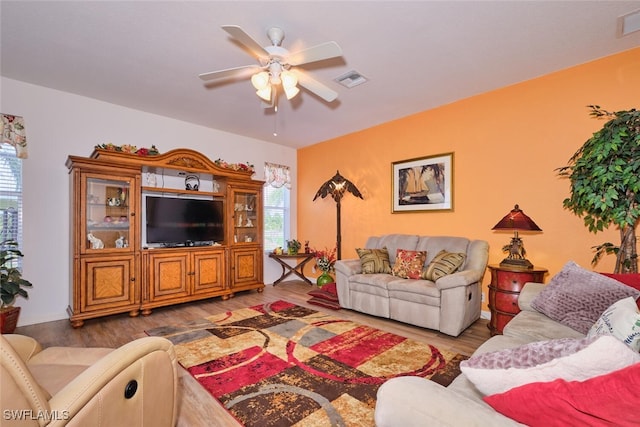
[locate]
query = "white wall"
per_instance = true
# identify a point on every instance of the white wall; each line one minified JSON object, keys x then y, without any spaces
{"x":59,"y":124}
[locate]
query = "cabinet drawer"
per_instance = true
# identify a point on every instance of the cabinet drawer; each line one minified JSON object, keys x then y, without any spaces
{"x":506,"y":302}
{"x":511,"y":281}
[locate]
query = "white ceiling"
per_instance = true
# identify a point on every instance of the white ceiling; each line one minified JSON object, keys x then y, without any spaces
{"x":417,"y":55}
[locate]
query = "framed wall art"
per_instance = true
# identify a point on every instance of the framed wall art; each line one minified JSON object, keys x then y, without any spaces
{"x":422,"y":184}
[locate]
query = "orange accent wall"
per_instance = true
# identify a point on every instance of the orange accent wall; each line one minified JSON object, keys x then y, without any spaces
{"x":507,"y":146}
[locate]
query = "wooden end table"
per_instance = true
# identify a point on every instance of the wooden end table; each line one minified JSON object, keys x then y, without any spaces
{"x":288,"y":269}
{"x":505,"y":287}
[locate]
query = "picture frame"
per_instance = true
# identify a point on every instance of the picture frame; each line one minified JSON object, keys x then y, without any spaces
{"x":422,"y":184}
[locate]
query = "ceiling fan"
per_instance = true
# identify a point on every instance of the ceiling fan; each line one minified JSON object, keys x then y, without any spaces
{"x":277,"y":66}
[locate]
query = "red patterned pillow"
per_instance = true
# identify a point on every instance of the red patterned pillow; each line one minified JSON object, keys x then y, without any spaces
{"x":605,"y":400}
{"x":409,"y":264}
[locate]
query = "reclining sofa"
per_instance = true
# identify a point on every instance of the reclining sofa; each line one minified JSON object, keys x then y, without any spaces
{"x":449,"y":304}
{"x":536,"y":372}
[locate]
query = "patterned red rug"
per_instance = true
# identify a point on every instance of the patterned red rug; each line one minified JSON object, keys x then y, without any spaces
{"x":280,"y":364}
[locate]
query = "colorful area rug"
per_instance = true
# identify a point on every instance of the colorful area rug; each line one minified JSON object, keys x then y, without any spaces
{"x":280,"y":364}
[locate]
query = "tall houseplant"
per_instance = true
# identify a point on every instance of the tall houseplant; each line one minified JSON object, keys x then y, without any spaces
{"x":11,"y":285}
{"x":605,"y":184}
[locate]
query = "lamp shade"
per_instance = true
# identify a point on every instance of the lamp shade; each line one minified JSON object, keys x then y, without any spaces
{"x":516,"y":220}
{"x":265,"y":93}
{"x":260,"y":80}
{"x":288,"y":79}
{"x":290,"y":92}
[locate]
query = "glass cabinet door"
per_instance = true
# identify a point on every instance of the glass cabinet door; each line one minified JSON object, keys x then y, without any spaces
{"x":108,"y":214}
{"x":245,"y":206}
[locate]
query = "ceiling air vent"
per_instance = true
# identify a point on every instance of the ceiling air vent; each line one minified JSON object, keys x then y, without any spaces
{"x":351,"y":79}
{"x":629,"y":23}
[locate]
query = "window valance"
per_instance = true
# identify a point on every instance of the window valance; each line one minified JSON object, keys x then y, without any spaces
{"x":277,"y":175}
{"x":13,"y":133}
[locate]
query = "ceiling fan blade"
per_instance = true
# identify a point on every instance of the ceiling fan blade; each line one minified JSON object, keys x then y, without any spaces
{"x":238,"y":33}
{"x":315,"y":86}
{"x":315,"y":53}
{"x":237,"y":72}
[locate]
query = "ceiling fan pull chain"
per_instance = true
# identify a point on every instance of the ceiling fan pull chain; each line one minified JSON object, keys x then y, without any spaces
{"x":275,"y":116}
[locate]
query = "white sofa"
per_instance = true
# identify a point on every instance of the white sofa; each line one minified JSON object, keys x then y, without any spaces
{"x":413,"y":401}
{"x":450,"y":304}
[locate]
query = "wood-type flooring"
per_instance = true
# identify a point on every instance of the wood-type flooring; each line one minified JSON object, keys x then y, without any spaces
{"x":197,"y":407}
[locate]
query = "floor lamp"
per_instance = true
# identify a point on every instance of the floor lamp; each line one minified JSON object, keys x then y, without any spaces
{"x":336,"y":187}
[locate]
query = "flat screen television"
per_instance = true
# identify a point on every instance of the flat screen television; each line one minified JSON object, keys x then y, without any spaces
{"x":177,"y":221}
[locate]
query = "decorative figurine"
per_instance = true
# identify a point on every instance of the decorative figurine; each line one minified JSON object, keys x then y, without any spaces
{"x":120,"y":242}
{"x":240,"y":220}
{"x":95,"y":242}
{"x":151,"y":179}
{"x":307,"y":250}
{"x":249,"y":223}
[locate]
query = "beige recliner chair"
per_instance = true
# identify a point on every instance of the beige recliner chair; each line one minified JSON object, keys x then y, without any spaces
{"x":134,"y":385}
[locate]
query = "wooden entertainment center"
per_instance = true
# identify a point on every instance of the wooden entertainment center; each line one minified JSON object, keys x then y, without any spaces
{"x":113,"y":267}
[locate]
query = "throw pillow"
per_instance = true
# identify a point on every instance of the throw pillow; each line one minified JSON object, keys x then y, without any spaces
{"x":374,"y":260}
{"x":606,"y":400}
{"x":622,"y":320}
{"x":629,"y":279}
{"x":542,"y":361}
{"x":327,"y":292}
{"x":577,"y":297}
{"x":442,"y":264}
{"x":409,"y":264}
{"x":333,"y":305}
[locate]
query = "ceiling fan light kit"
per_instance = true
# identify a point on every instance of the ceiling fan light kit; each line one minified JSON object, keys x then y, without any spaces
{"x":260,"y":80}
{"x":276,"y":65}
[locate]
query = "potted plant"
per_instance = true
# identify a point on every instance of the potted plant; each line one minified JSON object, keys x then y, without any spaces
{"x":293,"y":246}
{"x":605,"y":184}
{"x":11,"y":285}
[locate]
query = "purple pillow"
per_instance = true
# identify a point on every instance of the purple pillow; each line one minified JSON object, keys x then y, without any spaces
{"x":577,"y":297}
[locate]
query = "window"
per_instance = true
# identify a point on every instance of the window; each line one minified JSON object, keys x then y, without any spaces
{"x":276,"y":205}
{"x":10,"y":194}
{"x":276,"y":217}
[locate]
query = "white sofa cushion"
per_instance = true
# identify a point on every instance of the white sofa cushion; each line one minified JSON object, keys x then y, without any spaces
{"x":566,"y":358}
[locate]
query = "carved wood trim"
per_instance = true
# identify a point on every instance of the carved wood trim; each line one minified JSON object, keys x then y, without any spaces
{"x":180,"y":158}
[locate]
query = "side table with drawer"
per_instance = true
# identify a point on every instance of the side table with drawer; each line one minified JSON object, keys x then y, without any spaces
{"x":506,"y":284}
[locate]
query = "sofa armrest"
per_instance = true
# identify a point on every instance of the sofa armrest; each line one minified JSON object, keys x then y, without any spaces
{"x":459,"y":278}
{"x":529,"y":292}
{"x":26,"y":347}
{"x":348,"y":267}
{"x":97,"y":395}
{"x":415,"y":401}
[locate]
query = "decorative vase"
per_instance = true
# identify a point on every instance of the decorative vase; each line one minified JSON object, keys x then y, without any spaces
{"x":292,"y":251}
{"x":324,"y":279}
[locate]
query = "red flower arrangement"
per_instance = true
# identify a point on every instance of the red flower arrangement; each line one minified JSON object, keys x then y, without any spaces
{"x":325,"y":259}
